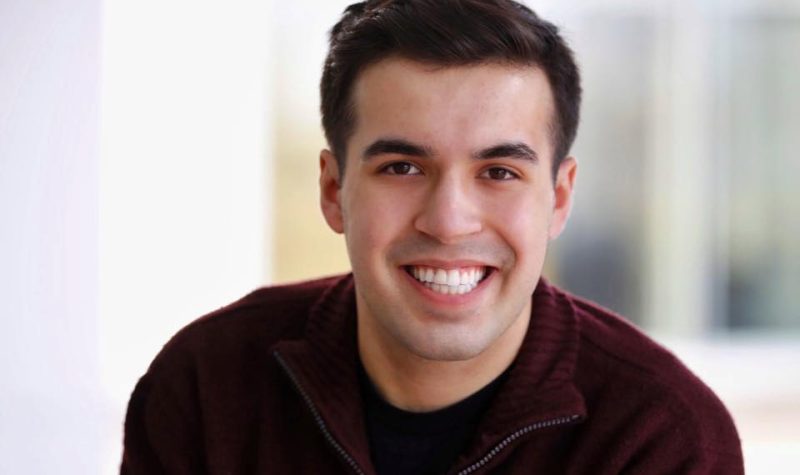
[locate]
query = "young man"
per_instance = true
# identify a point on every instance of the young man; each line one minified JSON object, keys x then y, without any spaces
{"x":449,"y":124}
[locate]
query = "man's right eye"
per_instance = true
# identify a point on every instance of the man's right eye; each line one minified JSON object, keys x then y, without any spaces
{"x":401,"y":168}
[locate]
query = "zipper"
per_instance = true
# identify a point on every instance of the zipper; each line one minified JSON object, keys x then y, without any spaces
{"x":515,"y":435}
{"x":317,"y":417}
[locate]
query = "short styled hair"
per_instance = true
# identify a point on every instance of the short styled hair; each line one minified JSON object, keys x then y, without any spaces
{"x":445,"y":33}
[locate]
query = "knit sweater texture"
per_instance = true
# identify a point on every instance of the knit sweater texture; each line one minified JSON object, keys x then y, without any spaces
{"x":269,"y":385}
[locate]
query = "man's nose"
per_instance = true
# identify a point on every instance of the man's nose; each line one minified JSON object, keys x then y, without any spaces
{"x":450,"y":211}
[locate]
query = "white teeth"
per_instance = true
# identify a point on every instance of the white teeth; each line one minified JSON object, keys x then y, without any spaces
{"x":453,"y":277}
{"x":449,"y":282}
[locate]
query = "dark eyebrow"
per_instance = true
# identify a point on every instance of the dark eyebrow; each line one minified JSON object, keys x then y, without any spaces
{"x":395,"y":146}
{"x":517,"y":150}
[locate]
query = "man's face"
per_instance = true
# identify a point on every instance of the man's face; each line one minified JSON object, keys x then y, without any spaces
{"x":447,"y":203}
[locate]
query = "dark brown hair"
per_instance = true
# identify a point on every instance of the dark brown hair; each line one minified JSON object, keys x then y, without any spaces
{"x":446,"y":33}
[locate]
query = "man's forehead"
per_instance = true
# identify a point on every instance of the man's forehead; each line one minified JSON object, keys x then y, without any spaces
{"x":488,"y":103}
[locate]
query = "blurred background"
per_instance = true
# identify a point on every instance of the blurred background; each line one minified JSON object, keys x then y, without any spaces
{"x":158,"y":159}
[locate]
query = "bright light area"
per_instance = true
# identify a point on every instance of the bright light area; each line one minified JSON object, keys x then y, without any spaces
{"x":757,"y":378}
{"x":184,"y":203}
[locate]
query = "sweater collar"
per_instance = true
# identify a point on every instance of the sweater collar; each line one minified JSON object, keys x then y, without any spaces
{"x":539,"y":388}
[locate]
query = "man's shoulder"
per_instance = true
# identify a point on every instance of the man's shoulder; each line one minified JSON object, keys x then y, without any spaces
{"x":611,"y":338}
{"x":621,"y":370}
{"x":611,"y":343}
{"x":257,"y":320}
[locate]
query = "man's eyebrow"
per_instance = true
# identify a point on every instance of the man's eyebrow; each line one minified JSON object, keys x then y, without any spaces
{"x":395,"y":146}
{"x":517,"y":150}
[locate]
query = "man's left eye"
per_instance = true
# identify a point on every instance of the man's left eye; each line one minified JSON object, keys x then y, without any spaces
{"x":401,"y":168}
{"x":499,"y":173}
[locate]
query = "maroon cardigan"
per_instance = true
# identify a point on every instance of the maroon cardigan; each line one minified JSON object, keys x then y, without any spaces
{"x":269,"y":385}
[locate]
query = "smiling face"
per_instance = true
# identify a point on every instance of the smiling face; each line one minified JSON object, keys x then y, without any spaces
{"x":447,"y":205}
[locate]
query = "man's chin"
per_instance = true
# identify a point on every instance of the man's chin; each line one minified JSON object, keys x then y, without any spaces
{"x":449,"y":344}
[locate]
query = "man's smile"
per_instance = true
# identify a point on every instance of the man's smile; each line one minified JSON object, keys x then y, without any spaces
{"x":453,"y":281}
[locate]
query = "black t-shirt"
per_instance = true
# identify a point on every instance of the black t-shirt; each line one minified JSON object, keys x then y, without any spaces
{"x":425,"y":443}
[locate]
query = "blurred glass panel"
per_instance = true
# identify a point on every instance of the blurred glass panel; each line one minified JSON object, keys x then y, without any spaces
{"x":762,"y":193}
{"x":599,"y":255}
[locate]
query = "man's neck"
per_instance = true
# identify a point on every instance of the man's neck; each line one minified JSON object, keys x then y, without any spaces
{"x":410,"y":382}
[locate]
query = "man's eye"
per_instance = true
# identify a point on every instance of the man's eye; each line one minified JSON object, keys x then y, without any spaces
{"x":401,"y":168}
{"x":499,"y":173}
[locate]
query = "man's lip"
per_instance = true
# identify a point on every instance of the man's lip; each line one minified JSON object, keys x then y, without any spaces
{"x":446,"y":265}
{"x":450,"y":299}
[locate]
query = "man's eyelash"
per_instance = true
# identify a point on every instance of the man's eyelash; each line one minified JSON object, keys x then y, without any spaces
{"x":407,"y":169}
{"x":510,"y":174}
{"x":404,"y":168}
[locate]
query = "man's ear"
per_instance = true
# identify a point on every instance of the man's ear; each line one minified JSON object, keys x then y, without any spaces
{"x":329,"y":191}
{"x":563,"y":188}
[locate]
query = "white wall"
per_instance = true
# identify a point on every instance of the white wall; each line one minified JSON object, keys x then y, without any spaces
{"x":183,"y":178}
{"x":50,"y":403}
{"x":134,"y":178}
